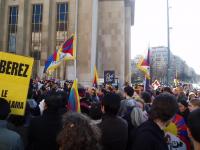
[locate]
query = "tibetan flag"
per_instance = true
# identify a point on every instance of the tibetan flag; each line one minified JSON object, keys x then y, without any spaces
{"x":74,"y":100}
{"x":68,"y":48}
{"x":59,"y":51}
{"x":147,"y":75}
{"x":65,"y":52}
{"x":96,"y":78}
{"x":144,"y":66}
{"x":178,"y":128}
{"x":51,"y":62}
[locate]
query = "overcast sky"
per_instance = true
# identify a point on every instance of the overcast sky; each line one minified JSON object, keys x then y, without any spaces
{"x":150,"y":28}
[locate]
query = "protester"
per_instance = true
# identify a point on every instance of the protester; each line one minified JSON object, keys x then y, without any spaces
{"x":132,"y":112}
{"x":114,"y":128}
{"x":191,"y":95}
{"x":183,"y":109}
{"x":150,"y":134}
{"x":147,"y":101}
{"x":167,"y":90}
{"x":9,"y":140}
{"x":48,"y":101}
{"x":78,"y":133}
{"x":180,"y":94}
{"x":21,"y":124}
{"x":193,"y":128}
{"x":128,"y":103}
{"x":194,"y":104}
{"x":94,"y":97}
{"x":43,"y":130}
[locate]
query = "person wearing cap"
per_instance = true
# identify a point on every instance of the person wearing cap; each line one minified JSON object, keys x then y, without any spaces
{"x":9,"y":140}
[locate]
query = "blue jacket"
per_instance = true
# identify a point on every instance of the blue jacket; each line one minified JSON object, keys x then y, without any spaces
{"x":9,"y":140}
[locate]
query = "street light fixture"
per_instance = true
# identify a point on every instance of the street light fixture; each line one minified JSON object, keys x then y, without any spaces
{"x":168,"y":44}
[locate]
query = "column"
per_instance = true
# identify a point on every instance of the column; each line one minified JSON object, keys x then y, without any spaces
{"x":127,"y":64}
{"x":20,"y":41}
{"x":111,"y":38}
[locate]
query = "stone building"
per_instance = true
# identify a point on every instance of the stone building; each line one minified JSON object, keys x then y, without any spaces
{"x":37,"y":27}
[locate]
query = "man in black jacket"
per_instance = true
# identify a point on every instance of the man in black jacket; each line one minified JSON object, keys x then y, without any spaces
{"x":43,"y":130}
{"x":193,"y":128}
{"x":114,"y":128}
{"x":150,"y":135}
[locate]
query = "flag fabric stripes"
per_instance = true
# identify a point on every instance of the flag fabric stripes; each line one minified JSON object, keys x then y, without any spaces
{"x":74,"y":99}
{"x":147,"y":77}
{"x":68,"y":48}
{"x":51,"y":62}
{"x":65,"y":52}
{"x":144,"y":67}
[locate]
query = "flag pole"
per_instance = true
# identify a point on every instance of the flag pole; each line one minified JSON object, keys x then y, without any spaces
{"x":145,"y":81}
{"x":76,"y":36}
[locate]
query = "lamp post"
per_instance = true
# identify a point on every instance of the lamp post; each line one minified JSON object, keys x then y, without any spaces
{"x":168,"y":44}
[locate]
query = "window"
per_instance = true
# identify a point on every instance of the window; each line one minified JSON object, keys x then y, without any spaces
{"x":62,"y":23}
{"x":36,"y":28}
{"x":37,"y":18}
{"x":12,"y":29}
{"x":62,"y":16}
{"x":61,"y":26}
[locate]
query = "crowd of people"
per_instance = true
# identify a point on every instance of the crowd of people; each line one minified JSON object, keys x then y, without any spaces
{"x":110,"y":119}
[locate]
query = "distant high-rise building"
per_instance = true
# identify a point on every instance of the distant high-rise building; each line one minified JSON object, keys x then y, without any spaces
{"x":159,"y":62}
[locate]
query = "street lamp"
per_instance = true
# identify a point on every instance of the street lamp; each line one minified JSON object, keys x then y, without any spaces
{"x":168,"y":44}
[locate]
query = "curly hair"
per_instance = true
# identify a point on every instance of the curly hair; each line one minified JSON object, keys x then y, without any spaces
{"x":78,"y":133}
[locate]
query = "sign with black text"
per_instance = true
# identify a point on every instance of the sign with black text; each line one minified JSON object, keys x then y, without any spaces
{"x":15,"y":74}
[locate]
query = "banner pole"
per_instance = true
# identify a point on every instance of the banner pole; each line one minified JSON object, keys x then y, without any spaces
{"x":76,"y":38}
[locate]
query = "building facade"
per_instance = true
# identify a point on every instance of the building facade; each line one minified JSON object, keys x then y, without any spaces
{"x":159,"y":62}
{"x":37,"y":27}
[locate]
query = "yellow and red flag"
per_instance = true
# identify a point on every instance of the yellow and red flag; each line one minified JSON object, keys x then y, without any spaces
{"x":96,"y":78}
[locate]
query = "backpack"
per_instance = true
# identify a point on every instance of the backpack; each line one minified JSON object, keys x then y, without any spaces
{"x":137,"y":116}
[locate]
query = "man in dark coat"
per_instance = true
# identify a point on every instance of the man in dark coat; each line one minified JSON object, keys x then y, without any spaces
{"x":150,"y":135}
{"x":43,"y":130}
{"x":9,"y":140}
{"x":193,"y":128}
{"x":114,"y":128}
